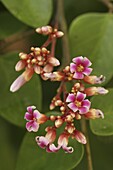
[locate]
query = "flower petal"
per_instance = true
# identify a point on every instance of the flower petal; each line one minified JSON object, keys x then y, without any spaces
{"x":36,"y":114}
{"x":70,"y":98}
{"x":80,"y":96}
{"x":78,"y":75}
{"x":42,"y":141}
{"x":28,"y":116}
{"x":83,"y":110}
{"x":86,"y":103}
{"x":87,"y":71}
{"x":78,"y":60}
{"x":30,"y":109}
{"x":52,"y":148}
{"x":32,"y":126}
{"x":86,"y":62}
{"x":73,"y":107}
{"x":72,"y":67}
{"x":68,"y":149}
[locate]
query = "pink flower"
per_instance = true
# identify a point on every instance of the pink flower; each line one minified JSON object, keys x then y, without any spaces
{"x":34,"y":118}
{"x":80,"y":68}
{"x":77,"y":103}
{"x":63,"y":142}
{"x":47,"y":141}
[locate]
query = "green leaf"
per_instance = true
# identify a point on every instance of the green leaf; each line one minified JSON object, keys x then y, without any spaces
{"x":32,"y":157}
{"x":90,"y":35}
{"x":9,"y":145}
{"x":32,"y":12}
{"x":9,"y":28}
{"x":13,"y":105}
{"x":103,"y":127}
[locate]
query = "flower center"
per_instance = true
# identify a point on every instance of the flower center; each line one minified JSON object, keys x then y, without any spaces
{"x":80,"y":68}
{"x":77,"y":103}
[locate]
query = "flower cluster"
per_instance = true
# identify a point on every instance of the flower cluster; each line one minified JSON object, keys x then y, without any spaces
{"x":73,"y":105}
{"x":39,"y":60}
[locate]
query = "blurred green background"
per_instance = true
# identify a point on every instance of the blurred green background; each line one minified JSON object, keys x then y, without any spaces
{"x":90,"y":34}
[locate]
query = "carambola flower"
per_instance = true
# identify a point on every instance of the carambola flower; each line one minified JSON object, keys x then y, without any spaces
{"x":77,"y":102}
{"x":34,"y":118}
{"x":80,"y":67}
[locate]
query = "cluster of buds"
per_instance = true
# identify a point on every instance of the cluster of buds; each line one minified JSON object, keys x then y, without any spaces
{"x":48,"y":30}
{"x":39,"y":60}
{"x":73,"y":105}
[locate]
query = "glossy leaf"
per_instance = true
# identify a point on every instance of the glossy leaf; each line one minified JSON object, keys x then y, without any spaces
{"x":32,"y":157}
{"x":9,"y":28}
{"x":103,"y":127}
{"x":9,"y":145}
{"x":13,"y":105}
{"x":90,"y":35}
{"x":34,"y":13}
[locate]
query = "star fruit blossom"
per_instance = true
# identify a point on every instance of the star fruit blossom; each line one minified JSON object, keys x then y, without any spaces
{"x":80,"y":67}
{"x":77,"y":103}
{"x":34,"y":118}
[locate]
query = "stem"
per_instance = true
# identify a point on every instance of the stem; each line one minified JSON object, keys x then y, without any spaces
{"x":87,"y":146}
{"x":109,"y":5}
{"x":63,"y":26}
{"x":14,"y":38}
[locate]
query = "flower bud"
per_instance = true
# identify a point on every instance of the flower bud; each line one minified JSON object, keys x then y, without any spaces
{"x":94,"y":114}
{"x":94,"y":79}
{"x":80,"y":137}
{"x":58,"y":123}
{"x":20,"y":65}
{"x":45,"y":30}
{"x":95,"y":91}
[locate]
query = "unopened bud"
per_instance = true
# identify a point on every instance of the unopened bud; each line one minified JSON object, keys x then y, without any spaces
{"x":94,"y":114}
{"x":95,"y":91}
{"x":23,"y":56}
{"x":58,"y":122}
{"x":52,"y":106}
{"x":94,"y":79}
{"x":59,"y":34}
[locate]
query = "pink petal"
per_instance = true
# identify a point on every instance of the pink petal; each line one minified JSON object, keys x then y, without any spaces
{"x":68,"y":149}
{"x":36,"y":114}
{"x":28,"y":116}
{"x":80,"y":96}
{"x":52,"y":148}
{"x":87,"y":71}
{"x":32,"y":126}
{"x":86,"y":103}
{"x":30,"y":109}
{"x":78,"y":75}
{"x":70,"y":98}
{"x":86,"y":62}
{"x":78,"y":60}
{"x":73,"y":107}
{"x":42,"y":141}
{"x":72,"y":67}
{"x":83,"y":110}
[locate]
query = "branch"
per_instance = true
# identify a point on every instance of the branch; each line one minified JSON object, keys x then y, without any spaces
{"x":109,"y":5}
{"x":87,"y":146}
{"x":63,"y":26}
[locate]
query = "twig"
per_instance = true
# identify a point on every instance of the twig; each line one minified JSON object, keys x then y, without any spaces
{"x":87,"y":146}
{"x":109,"y":5}
{"x":14,"y":38}
{"x":63,"y":26}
